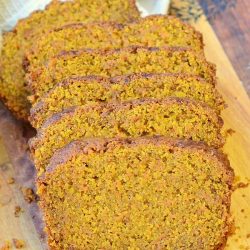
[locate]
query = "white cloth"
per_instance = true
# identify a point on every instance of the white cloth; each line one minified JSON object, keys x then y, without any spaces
{"x":13,"y":10}
{"x":149,"y":7}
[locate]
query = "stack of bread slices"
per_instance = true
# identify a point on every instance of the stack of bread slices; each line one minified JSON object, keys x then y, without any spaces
{"x":129,"y":138}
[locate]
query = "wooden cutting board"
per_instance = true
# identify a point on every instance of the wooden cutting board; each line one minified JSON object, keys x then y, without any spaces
{"x":236,"y":117}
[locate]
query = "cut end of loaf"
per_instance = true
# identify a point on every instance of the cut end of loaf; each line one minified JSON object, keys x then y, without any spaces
{"x":127,"y":193}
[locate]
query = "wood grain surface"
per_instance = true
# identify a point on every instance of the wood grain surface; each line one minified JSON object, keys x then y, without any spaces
{"x":230,"y":19}
{"x":236,"y":117}
{"x":232,"y":26}
{"x":17,"y":164}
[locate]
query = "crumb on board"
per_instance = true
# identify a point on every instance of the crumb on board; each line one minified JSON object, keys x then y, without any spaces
{"x":240,"y":185}
{"x":243,"y":185}
{"x":19,"y":243}
{"x":18,"y":210}
{"x":29,"y":194}
{"x":6,"y":245}
{"x":248,"y":235}
{"x":230,"y":132}
{"x":11,"y":180}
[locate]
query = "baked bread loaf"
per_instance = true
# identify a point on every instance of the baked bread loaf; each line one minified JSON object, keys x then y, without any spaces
{"x":173,"y":117}
{"x":77,"y":91}
{"x":118,"y":62}
{"x":160,"y":30}
{"x":129,"y":134}
{"x":143,"y":193}
{"x":29,"y":30}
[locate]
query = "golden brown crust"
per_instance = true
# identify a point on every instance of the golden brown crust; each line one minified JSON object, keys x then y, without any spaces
{"x":128,"y":78}
{"x":121,"y":26}
{"x":131,"y":49}
{"x":80,"y":25}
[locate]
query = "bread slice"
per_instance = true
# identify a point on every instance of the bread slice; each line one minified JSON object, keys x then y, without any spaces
{"x":29,"y":30}
{"x":173,"y":117}
{"x":77,"y":91}
{"x":160,"y":30}
{"x":118,"y":62}
{"x":143,"y":193}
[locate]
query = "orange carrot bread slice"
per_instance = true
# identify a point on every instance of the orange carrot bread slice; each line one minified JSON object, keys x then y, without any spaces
{"x":77,"y":91}
{"x":158,"y":30}
{"x":143,"y":193}
{"x":118,"y":62}
{"x":173,"y":117}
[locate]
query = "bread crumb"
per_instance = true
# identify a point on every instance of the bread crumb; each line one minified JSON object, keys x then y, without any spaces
{"x":240,"y":185}
{"x":29,"y":194}
{"x":19,"y":243}
{"x":11,"y":180}
{"x":248,"y":235}
{"x":18,"y":210}
{"x":230,"y":132}
{"x":6,"y":245}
